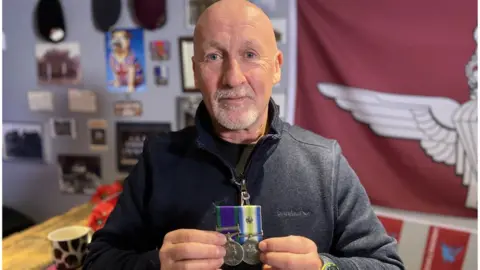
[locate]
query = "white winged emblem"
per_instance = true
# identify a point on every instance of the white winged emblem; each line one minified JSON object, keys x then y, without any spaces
{"x":447,"y":130}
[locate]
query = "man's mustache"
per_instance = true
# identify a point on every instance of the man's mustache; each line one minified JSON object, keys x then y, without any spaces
{"x":234,"y":93}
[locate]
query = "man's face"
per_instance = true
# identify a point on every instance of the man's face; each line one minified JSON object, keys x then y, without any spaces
{"x":235,"y":66}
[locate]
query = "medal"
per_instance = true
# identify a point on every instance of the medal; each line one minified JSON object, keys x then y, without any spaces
{"x":251,"y":252}
{"x":235,"y":253}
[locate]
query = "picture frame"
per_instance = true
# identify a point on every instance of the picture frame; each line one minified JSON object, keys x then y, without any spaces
{"x":79,"y":174}
{"x":186,"y":69}
{"x":193,"y":10}
{"x":130,"y":138}
{"x":186,"y":110}
{"x":23,"y":141}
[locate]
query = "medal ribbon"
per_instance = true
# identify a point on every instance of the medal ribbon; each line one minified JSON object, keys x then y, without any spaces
{"x":246,"y":218}
{"x":227,"y":219}
{"x":250,"y":223}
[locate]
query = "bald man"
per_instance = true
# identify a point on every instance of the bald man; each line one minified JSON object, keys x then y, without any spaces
{"x":241,"y":189}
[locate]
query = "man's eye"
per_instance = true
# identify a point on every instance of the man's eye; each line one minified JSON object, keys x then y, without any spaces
{"x":250,"y":55}
{"x":213,"y":57}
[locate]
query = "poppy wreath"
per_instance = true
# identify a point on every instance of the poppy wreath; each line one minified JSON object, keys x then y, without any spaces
{"x":104,"y":200}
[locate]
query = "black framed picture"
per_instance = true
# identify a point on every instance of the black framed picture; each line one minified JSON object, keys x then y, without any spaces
{"x":79,"y":174}
{"x":23,"y":141}
{"x":186,"y":110}
{"x":130,"y":138}
{"x":186,"y":69}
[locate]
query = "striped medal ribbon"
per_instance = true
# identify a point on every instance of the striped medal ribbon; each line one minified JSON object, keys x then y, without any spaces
{"x":242,"y":222}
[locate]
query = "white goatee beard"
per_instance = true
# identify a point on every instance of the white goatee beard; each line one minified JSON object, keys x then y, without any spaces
{"x":243,"y":121}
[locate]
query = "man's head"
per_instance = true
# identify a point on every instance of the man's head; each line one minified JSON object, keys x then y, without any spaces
{"x":236,"y":62}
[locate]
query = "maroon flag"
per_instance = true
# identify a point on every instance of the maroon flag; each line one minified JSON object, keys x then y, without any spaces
{"x":395,"y":83}
{"x":445,"y":249}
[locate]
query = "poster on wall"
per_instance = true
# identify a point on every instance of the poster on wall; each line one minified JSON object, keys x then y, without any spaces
{"x":186,"y":109}
{"x":125,"y":60}
{"x":79,"y":174}
{"x":186,"y":68}
{"x":97,"y":132}
{"x":82,"y":101}
{"x":194,"y":9}
{"x":40,"y":101}
{"x":22,"y":141}
{"x":130,"y":138}
{"x":59,"y":63}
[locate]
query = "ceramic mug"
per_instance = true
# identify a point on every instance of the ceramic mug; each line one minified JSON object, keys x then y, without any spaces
{"x":69,"y":246}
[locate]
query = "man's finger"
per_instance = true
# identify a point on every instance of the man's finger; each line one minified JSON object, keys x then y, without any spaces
{"x":290,"y":244}
{"x":283,"y":260}
{"x":197,"y":236}
{"x":207,"y":264}
{"x":188,"y":251}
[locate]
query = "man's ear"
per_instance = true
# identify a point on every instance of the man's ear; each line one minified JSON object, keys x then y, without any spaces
{"x":277,"y":69}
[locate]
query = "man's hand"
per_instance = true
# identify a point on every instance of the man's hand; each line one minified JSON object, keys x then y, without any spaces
{"x":291,"y":252}
{"x":192,"y":249}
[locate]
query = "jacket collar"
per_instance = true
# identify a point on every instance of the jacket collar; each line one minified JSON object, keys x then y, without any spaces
{"x":203,"y":123}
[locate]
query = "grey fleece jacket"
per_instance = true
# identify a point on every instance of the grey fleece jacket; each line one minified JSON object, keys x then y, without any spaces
{"x":302,"y":181}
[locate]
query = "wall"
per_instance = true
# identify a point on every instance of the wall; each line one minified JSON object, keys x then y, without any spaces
{"x":33,"y":188}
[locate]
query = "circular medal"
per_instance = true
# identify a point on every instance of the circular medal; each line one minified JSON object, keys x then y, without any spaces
{"x":252,"y":253}
{"x":234,"y":255}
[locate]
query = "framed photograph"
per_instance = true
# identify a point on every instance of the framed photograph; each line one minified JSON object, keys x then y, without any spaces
{"x":186,"y":110}
{"x":186,"y":68}
{"x":194,"y":9}
{"x":79,"y":174}
{"x":97,"y":132}
{"x":125,"y":60}
{"x":63,"y":127}
{"x":58,"y":63}
{"x":23,"y":141}
{"x":130,"y":138}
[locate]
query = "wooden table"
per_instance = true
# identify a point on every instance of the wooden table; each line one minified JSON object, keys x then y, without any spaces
{"x":30,"y":249}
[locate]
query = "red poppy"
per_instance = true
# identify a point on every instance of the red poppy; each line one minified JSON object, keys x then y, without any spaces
{"x":99,"y":215}
{"x":105,"y":191}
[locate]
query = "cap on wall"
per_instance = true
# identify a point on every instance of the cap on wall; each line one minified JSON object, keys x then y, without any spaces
{"x":105,"y":13}
{"x":50,"y":21}
{"x":150,"y":14}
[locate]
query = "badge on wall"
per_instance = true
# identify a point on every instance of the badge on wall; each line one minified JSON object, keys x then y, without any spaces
{"x":128,"y":108}
{"x":97,"y":129}
{"x":160,"y":50}
{"x":161,"y":75}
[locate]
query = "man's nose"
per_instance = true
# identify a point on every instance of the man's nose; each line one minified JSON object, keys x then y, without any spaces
{"x":233,"y":75}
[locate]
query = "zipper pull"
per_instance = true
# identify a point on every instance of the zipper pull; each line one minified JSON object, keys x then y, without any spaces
{"x":245,"y":196}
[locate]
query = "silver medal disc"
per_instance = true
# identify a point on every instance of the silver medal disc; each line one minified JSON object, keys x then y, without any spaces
{"x":234,"y":255}
{"x":252,"y":253}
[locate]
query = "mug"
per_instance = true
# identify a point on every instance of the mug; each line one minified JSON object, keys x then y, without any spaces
{"x":70,"y":246}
